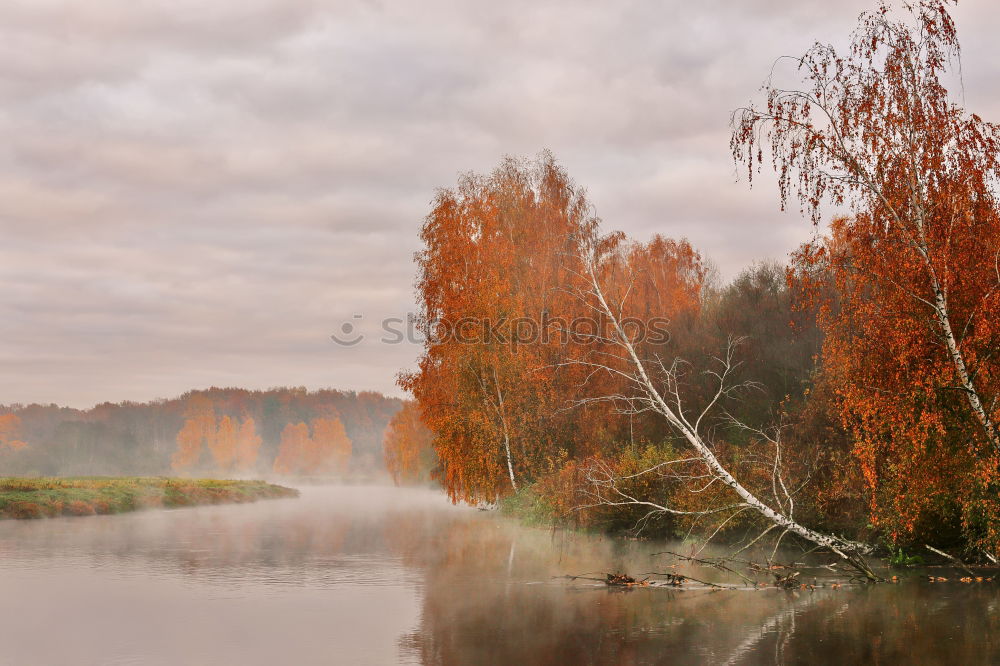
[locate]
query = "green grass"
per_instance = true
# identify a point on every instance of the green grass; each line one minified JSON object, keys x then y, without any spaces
{"x":86,"y":496}
{"x":528,"y":506}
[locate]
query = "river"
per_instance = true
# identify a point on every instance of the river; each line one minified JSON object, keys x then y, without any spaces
{"x":372,"y":575}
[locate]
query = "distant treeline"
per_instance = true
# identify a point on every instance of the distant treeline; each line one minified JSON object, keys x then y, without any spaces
{"x":219,"y":431}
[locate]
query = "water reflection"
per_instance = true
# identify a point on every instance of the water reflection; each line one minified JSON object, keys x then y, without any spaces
{"x":357,"y":575}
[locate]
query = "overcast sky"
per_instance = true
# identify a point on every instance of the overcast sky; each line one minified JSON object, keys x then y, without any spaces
{"x":198,"y":193}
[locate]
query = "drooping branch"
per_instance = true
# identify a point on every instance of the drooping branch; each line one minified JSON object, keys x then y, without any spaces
{"x":876,"y":130}
{"x":664,"y":397}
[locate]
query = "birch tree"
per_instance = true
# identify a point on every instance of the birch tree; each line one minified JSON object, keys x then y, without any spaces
{"x":878,"y":131}
{"x":655,"y":384}
{"x":494,"y":257}
{"x":916,"y":262}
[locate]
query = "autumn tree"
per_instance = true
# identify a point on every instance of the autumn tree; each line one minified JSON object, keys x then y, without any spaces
{"x":223,"y":444}
{"x":912,"y":334}
{"x":247,"y":445}
{"x":330,"y":447}
{"x":496,"y":280}
{"x":496,"y":251}
{"x":294,"y":445}
{"x":653,"y":384}
{"x":197,"y":432}
{"x":320,"y":447}
{"x":408,"y":446}
{"x":10,"y":430}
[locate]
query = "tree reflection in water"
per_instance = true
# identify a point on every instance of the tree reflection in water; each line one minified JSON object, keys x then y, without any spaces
{"x":367,"y":575}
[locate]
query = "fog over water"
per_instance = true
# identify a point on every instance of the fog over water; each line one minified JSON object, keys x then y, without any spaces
{"x":369,"y":575}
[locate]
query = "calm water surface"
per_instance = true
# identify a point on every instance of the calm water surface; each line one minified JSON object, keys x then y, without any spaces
{"x":370,"y":575}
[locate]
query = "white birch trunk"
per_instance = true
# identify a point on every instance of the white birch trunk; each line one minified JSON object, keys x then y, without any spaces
{"x":841,"y":547}
{"x":958,"y":360}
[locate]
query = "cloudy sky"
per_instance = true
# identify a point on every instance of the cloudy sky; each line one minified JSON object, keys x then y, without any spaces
{"x":198,"y":193}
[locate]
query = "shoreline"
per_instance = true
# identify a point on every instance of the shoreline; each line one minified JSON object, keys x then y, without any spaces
{"x":23,"y":498}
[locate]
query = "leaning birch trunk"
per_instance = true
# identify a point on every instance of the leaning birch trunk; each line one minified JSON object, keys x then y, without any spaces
{"x":849,"y":551}
{"x":961,"y":369}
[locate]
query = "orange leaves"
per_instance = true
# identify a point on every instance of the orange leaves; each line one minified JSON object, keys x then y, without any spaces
{"x":10,"y":429}
{"x":499,"y":252}
{"x":294,"y":449}
{"x":906,"y":298}
{"x":503,"y":265}
{"x":198,"y":430}
{"x":326,"y":450}
{"x":923,"y":453}
{"x":330,"y":449}
{"x":407,"y":446}
{"x":233,"y":445}
{"x":247,"y":445}
{"x":223,"y":444}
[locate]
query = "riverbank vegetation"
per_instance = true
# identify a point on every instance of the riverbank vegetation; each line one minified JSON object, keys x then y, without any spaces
{"x":49,"y":497}
{"x":848,"y":399}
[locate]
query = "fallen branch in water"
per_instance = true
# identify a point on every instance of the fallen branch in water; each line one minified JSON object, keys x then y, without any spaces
{"x":959,"y":563}
{"x":677,"y":580}
{"x":715,"y":564}
{"x":582,"y":576}
{"x":656,"y":385}
{"x":626,"y":581}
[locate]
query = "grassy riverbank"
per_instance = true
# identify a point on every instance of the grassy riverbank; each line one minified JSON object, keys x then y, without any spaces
{"x":48,"y":497}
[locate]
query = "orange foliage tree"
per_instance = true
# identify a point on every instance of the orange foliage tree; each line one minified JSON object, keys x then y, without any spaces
{"x":497,"y":250}
{"x":10,"y":430}
{"x":324,"y":450}
{"x":247,"y":445}
{"x":198,"y":430}
{"x":223,"y":444}
{"x":294,"y":443}
{"x":914,"y":322}
{"x":330,"y":450}
{"x":502,"y":320}
{"x":408,"y":446}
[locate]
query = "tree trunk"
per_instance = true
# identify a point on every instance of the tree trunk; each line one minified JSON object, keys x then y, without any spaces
{"x":975,"y":402}
{"x":510,"y":462}
{"x":848,"y":550}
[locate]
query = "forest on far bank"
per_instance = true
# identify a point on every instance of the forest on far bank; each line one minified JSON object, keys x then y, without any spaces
{"x":220,"y":432}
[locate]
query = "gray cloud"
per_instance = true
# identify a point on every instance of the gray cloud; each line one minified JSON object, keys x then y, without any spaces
{"x":199,"y":193}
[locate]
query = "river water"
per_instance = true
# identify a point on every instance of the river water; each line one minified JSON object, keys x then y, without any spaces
{"x":371,"y":575}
